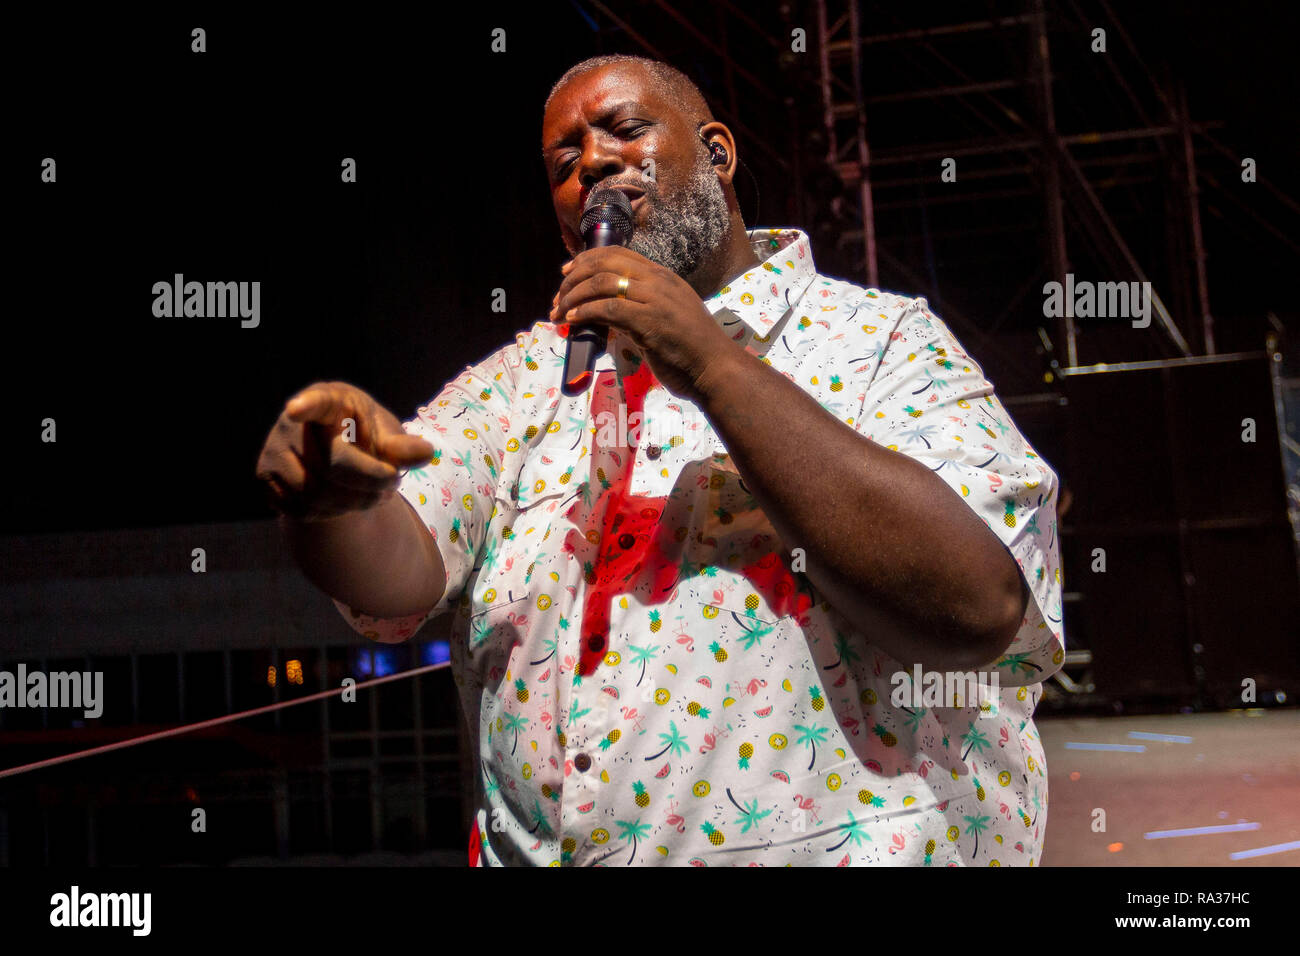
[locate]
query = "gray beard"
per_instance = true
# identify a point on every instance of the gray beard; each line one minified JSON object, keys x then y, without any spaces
{"x":680,"y":233}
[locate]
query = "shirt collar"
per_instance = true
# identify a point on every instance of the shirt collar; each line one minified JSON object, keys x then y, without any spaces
{"x":761,"y":297}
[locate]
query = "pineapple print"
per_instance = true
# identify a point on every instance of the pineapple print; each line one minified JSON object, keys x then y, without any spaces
{"x":716,"y":836}
{"x":914,"y":412}
{"x":979,"y":789}
{"x":530,"y":433}
{"x":724,"y":515}
{"x":1009,"y":519}
{"x":588,"y":572}
{"x":454,"y":534}
{"x":695,"y":710}
{"x":746,"y":751}
{"x":548,"y":792}
{"x":655,"y":623}
{"x":836,"y":384}
{"x":485,"y":394}
{"x":530,"y":363}
{"x":929,"y":851}
{"x":817,"y":702}
{"x":719,"y":654}
{"x":611,"y":738}
{"x":642,"y":798}
{"x":521,"y":691}
{"x":865,"y":797}
{"x":886,"y":738}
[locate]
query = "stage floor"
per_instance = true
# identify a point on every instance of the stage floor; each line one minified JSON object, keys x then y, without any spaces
{"x":1240,"y":767}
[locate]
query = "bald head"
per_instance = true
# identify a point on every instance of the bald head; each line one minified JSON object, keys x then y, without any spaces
{"x":670,"y":83}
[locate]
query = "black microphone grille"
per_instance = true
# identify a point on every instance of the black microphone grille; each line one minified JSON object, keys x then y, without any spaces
{"x":611,"y":208}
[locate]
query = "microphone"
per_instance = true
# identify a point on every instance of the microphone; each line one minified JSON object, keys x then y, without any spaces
{"x":606,"y":221}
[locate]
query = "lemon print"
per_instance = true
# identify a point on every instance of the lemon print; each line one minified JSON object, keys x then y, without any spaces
{"x":868,"y":696}
{"x":962,"y":403}
{"x":599,"y":835}
{"x":994,"y":863}
{"x":553,"y":427}
{"x":710,"y":611}
{"x":954,"y":773}
{"x":1058,"y":657}
{"x":533,"y":744}
{"x":662,"y":696}
{"x":965,"y":492}
{"x":500,"y":724}
{"x":833,"y":782}
{"x":868,"y":328}
{"x":998,"y":837}
{"x":908,"y":801}
{"x":543,"y":602}
{"x":471,"y":434}
{"x":593,"y":536}
{"x":747,"y":298}
{"x":662,"y":850}
{"x":528,"y":771}
{"x":423,"y":500}
{"x":489,"y":595}
{"x":612,"y":659}
{"x":1032,"y":765}
{"x":952,"y":834}
{"x":604,"y":776}
{"x":512,"y":444}
{"x":701,"y":788}
{"x":728,"y":701}
{"x":1021,"y":693}
{"x":622,"y":602}
{"x":671,"y":668}
{"x":1004,"y":778}
{"x":777,"y":741}
{"x":839,"y":752}
{"x":468,"y":502}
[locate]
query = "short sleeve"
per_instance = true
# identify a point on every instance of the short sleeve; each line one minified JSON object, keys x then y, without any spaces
{"x":929,"y":399}
{"x":454,"y":493}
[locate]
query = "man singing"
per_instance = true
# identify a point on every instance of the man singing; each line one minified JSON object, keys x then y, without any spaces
{"x":805,"y":623}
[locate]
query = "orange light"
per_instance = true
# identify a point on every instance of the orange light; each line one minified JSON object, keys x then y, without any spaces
{"x":293,"y":671}
{"x":1074,"y":775}
{"x":270,"y":676}
{"x":1115,"y":847}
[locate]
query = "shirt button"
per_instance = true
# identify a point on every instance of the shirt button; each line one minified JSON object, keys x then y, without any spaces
{"x":625,"y":541}
{"x":653,"y":452}
{"x":582,"y":763}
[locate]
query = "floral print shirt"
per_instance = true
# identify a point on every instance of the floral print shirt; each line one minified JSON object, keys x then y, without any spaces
{"x":653,"y":678}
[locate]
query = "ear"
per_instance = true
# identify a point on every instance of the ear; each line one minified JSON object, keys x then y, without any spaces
{"x":718,"y":133}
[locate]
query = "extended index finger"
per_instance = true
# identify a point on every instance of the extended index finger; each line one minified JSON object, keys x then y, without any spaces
{"x":323,"y":404}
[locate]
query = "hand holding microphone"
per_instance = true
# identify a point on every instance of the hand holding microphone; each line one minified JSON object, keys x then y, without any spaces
{"x":606,"y":221}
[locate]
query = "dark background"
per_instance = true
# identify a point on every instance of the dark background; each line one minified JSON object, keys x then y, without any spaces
{"x":225,"y":166}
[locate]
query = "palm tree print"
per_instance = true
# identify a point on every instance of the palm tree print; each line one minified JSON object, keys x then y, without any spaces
{"x":845,"y":651}
{"x":749,"y":814}
{"x":977,"y":826}
{"x":674,"y":741}
{"x":812,"y":736}
{"x":642,"y":654}
{"x":515,"y":723}
{"x":852,"y":831}
{"x":630,"y":833}
{"x":974,"y":738}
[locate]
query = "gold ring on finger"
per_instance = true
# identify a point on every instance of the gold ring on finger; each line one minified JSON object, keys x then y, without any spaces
{"x":622,"y":287}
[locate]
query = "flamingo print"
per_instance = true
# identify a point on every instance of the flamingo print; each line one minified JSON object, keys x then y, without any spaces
{"x":675,"y":819}
{"x":807,"y":805}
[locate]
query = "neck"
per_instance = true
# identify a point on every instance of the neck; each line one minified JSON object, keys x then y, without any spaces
{"x":734,"y":257}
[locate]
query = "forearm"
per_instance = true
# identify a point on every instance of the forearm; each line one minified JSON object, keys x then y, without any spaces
{"x":887,"y":543}
{"x":381,"y":561}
